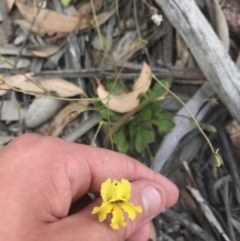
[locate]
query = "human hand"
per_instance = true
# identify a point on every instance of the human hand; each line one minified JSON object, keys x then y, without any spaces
{"x":42,"y":177}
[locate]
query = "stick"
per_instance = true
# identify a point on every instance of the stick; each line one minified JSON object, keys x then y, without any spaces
{"x":207,"y":49}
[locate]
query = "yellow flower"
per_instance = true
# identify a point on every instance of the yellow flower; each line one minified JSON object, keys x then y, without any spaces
{"x":115,"y":197}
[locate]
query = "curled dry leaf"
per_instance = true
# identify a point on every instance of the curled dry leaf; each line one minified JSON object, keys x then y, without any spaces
{"x":11,"y":112}
{"x":48,"y":20}
{"x":44,"y":51}
{"x":63,"y":118}
{"x":101,"y":19}
{"x":153,"y":234}
{"x":85,"y":10}
{"x":41,"y":110}
{"x":232,"y":14}
{"x":127,"y":102}
{"x":9,"y":4}
{"x":221,"y":25}
{"x":233,"y":130}
{"x":24,"y":24}
{"x":61,"y":87}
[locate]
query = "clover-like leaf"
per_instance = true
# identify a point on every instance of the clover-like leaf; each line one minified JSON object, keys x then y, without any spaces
{"x":164,"y":125}
{"x":121,"y":141}
{"x":143,"y":138}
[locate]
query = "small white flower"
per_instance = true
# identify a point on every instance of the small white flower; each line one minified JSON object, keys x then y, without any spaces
{"x":157,"y":18}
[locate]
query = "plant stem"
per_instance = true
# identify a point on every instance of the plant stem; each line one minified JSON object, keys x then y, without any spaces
{"x":97,"y":25}
{"x":189,"y":111}
{"x":98,"y":129}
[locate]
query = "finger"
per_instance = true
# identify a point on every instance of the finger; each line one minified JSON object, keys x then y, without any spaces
{"x":142,"y":234}
{"x":70,"y":170}
{"x":95,"y":165}
{"x":146,"y":193}
{"x":80,"y":204}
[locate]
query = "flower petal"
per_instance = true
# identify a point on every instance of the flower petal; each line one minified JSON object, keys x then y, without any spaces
{"x":118,"y":218}
{"x":131,"y":209}
{"x":107,"y":190}
{"x":123,"y":190}
{"x":103,"y":211}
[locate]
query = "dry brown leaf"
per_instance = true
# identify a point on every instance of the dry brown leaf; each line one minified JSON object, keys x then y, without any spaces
{"x":128,"y":102}
{"x":85,"y":23}
{"x":62,"y":118}
{"x":9,"y":4}
{"x":61,"y":87}
{"x":2,"y":92}
{"x":238,"y":60}
{"x":85,"y":10}
{"x":24,"y":24}
{"x":48,"y":20}
{"x":221,"y":25}
{"x":153,"y":234}
{"x":44,"y":51}
{"x":233,"y":130}
{"x":232,"y":13}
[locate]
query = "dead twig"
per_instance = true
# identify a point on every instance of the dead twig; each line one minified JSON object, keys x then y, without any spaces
{"x":207,"y":49}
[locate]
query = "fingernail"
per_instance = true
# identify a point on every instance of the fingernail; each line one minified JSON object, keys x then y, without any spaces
{"x":152,"y":200}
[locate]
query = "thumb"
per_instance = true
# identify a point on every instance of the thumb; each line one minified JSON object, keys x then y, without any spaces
{"x":148,"y":194}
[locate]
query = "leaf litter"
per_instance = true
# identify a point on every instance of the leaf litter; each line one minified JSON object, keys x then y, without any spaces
{"x":127,"y":102}
{"x":68,"y":45}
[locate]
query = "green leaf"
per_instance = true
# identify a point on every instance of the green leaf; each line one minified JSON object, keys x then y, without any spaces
{"x":144,"y":115}
{"x":158,"y":90}
{"x":164,"y":125}
{"x":147,"y":135}
{"x":164,"y":115}
{"x":142,"y":139}
{"x":121,"y":141}
{"x":105,"y":112}
{"x":108,"y":114}
{"x":210,"y":128}
{"x":114,"y":88}
{"x":133,"y":129}
{"x":192,"y":122}
{"x":155,"y":108}
{"x":65,"y":3}
{"x":217,"y":159}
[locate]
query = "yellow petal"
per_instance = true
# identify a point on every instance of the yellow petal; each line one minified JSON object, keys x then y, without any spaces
{"x":107,"y":190}
{"x":103,"y":211}
{"x":123,"y":190}
{"x":118,"y":218}
{"x":131,"y":209}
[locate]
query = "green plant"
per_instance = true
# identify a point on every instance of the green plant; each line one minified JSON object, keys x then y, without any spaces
{"x":139,"y":131}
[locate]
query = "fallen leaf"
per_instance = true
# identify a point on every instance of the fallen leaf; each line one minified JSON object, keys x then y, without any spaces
{"x":9,"y":4}
{"x":63,"y":118}
{"x":8,"y":63}
{"x":61,"y":87}
{"x":65,"y":3}
{"x":4,"y":139}
{"x":41,"y":110}
{"x":85,"y":10}
{"x":233,"y":130}
{"x":238,"y":60}
{"x":85,"y":23}
{"x":221,"y":25}
{"x":10,"y":112}
{"x":153,"y":233}
{"x":25,"y":25}
{"x":48,"y":20}
{"x":231,"y":13}
{"x":44,"y":51}
{"x":183,"y":52}
{"x":127,"y":102}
